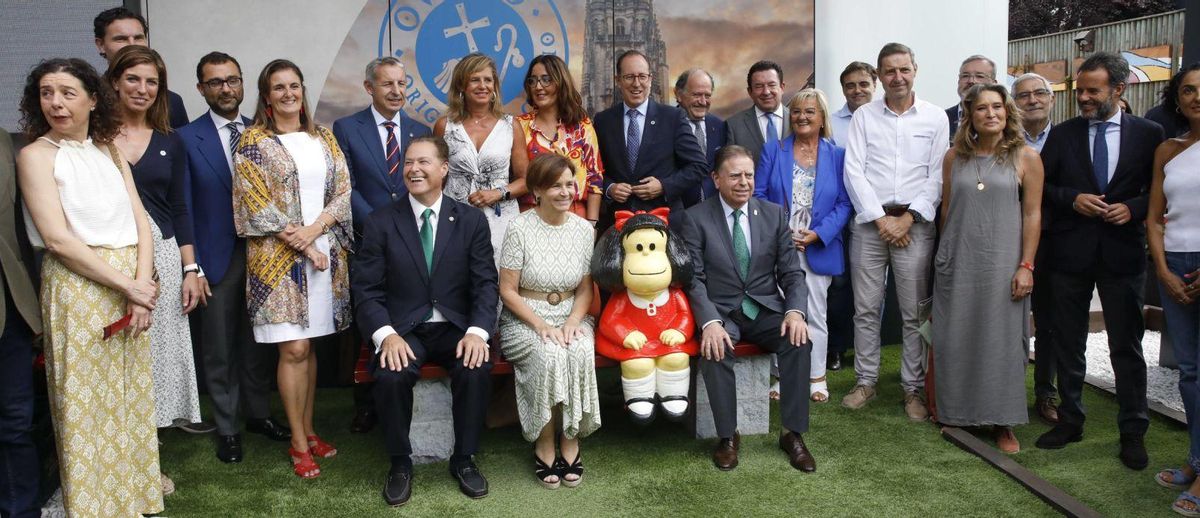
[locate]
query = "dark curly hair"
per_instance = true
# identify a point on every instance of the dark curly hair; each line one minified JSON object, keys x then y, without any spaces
{"x":102,"y":123}
{"x":608,"y":259}
{"x":1170,"y":94}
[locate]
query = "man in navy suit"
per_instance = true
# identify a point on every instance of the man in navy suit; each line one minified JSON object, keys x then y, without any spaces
{"x":651,"y":157}
{"x":374,"y":141}
{"x":1098,"y":171}
{"x":425,"y":289}
{"x":118,"y":27}
{"x":236,"y":369}
{"x":694,"y":90}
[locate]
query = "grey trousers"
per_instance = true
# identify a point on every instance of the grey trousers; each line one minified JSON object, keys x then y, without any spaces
{"x":237,"y":370}
{"x":870,"y":257}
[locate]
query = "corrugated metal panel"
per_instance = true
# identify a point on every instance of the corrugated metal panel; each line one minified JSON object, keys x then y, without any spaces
{"x":1149,"y":31}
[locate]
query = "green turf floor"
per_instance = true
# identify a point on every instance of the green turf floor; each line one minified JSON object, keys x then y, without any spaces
{"x":872,"y":462}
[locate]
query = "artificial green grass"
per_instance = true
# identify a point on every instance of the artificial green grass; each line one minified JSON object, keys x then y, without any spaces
{"x":869,"y":462}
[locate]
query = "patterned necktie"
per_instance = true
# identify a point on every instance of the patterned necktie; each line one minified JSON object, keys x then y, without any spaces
{"x":392,"y":151}
{"x":633,"y":139}
{"x":772,"y":129}
{"x":741,"y":252}
{"x":1100,"y":157}
{"x":698,"y":129}
{"x":234,"y":137}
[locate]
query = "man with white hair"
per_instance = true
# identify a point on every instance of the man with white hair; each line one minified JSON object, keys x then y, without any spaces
{"x":1035,"y":98}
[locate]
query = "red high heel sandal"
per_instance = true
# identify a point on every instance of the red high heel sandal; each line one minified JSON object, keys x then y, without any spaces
{"x":303,"y":464}
{"x":321,"y":448}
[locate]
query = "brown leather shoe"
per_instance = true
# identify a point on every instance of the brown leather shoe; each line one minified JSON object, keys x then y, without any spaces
{"x":725,"y":456}
{"x":793,"y":445}
{"x":1006,"y":441}
{"x":1047,"y":409}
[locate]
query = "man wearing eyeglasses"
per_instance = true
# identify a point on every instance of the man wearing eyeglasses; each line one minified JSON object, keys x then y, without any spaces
{"x":974,"y":70}
{"x":236,"y":370}
{"x":651,"y":156}
{"x":764,"y":122}
{"x":374,"y":141}
{"x":1035,"y":98}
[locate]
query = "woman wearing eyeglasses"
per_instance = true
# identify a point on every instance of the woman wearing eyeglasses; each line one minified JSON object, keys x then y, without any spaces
{"x":558,"y":124}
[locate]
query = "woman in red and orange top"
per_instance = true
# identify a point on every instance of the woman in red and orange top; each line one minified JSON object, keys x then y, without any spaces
{"x":558,"y":124}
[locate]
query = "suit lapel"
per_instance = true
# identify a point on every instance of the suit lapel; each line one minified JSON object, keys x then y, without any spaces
{"x":406,"y":226}
{"x":1125,"y":151}
{"x":370,"y":138}
{"x":617,"y":136}
{"x":1084,"y":155}
{"x":445,"y":228}
{"x":717,"y":214}
{"x":209,"y":143}
{"x":751,"y":122}
{"x":649,"y":130}
{"x":762,"y":241}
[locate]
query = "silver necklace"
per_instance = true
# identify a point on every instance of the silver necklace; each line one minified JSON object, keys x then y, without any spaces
{"x":979,"y":186}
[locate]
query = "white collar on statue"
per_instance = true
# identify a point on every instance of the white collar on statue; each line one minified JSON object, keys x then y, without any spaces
{"x":645,"y":303}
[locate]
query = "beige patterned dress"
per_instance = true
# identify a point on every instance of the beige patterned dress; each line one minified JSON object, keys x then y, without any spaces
{"x":550,"y":258}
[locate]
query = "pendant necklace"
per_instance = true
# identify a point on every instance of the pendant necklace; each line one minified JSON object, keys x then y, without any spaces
{"x":979,"y":186}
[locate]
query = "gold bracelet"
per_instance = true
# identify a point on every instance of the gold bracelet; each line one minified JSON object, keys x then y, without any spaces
{"x":324,"y":227}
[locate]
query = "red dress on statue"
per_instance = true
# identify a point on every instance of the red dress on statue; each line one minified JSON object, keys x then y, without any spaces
{"x":624,"y":315}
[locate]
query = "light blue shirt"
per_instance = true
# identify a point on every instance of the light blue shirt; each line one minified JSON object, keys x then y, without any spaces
{"x":641,"y":121}
{"x":1038,"y":142}
{"x":840,"y":123}
{"x":1112,"y":136}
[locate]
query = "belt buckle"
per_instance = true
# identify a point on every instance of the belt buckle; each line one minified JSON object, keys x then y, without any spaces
{"x":554,"y":298}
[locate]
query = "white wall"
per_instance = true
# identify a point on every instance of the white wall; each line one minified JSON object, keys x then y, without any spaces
{"x":941,"y":33}
{"x":183,"y":32}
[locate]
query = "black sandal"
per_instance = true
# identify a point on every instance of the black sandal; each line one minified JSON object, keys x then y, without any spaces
{"x":543,"y":472}
{"x":564,"y":469}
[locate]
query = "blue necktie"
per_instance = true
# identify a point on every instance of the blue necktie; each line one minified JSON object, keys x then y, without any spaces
{"x":633,"y":139}
{"x":392,"y":152}
{"x":772,"y":130}
{"x":1100,"y":157}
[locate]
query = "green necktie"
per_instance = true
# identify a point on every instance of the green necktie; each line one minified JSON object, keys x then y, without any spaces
{"x":742,"y":253}
{"x":427,"y":239}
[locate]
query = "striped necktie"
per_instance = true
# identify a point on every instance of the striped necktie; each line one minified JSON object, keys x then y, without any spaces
{"x":392,"y":152}
{"x":234,"y":137}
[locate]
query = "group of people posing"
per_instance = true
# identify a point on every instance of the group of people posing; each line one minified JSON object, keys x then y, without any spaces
{"x":474,"y":239}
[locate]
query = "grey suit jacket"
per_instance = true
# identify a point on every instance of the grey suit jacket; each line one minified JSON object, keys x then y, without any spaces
{"x":775,"y":279}
{"x":742,"y":129}
{"x":14,"y":273}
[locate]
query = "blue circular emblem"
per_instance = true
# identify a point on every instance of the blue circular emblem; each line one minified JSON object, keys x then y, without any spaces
{"x":431,"y":39}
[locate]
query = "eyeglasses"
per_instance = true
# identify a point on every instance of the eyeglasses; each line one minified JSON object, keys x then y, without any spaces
{"x":217,"y":83}
{"x":976,"y":76}
{"x":1040,"y":93}
{"x":640,"y":78}
{"x":543,"y":80}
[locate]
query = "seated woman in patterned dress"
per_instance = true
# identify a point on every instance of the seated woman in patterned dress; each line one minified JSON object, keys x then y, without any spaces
{"x":545,"y":330}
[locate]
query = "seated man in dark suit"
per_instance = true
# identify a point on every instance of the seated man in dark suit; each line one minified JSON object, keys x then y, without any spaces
{"x":374,"y":141}
{"x":1098,"y":172}
{"x":425,"y":289}
{"x":651,"y":157}
{"x":694,"y":90}
{"x":118,"y":27}
{"x":758,"y":298}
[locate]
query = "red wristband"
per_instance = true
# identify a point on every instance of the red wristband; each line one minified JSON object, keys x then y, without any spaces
{"x":1027,"y":265}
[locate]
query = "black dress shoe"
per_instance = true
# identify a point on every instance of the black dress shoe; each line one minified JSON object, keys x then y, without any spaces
{"x":1059,"y":437}
{"x":834,"y":363}
{"x":364,"y":420}
{"x":1133,"y":451}
{"x":470,"y":480}
{"x":798,"y":455}
{"x":398,"y":488}
{"x":269,"y":428}
{"x":229,"y":448}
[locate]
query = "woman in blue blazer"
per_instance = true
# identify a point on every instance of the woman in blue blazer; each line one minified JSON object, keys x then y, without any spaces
{"x":803,"y":174}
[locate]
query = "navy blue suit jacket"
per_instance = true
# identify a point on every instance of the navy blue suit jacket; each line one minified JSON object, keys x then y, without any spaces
{"x":176,"y":113}
{"x":714,"y":135}
{"x":358,"y":136}
{"x":391,"y":285}
{"x":669,"y":151}
{"x":208,"y":188}
{"x":1075,"y":242}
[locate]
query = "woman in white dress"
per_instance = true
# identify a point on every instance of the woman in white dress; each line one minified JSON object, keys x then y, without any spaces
{"x":291,"y":200}
{"x":487,"y":157}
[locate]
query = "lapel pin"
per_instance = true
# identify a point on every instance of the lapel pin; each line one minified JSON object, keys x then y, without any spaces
{"x":755,"y":212}
{"x":652,"y":123}
{"x":162,"y":152}
{"x":451,"y":219}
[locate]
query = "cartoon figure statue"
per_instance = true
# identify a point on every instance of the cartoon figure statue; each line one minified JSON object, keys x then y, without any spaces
{"x":647,"y":324}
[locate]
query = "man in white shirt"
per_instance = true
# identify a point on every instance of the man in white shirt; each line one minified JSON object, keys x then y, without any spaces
{"x":858,"y":87}
{"x":894,"y":153}
{"x":765,"y":122}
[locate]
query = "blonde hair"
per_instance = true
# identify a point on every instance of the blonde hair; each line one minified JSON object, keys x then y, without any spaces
{"x":1012,"y":137}
{"x":822,"y":104}
{"x":473,"y":63}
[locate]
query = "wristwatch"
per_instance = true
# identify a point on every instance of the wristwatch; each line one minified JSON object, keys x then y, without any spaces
{"x":917,"y":217}
{"x":193,"y":268}
{"x":504,"y":194}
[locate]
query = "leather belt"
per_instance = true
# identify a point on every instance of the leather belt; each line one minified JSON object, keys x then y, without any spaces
{"x":895,"y":211}
{"x":553,"y":297}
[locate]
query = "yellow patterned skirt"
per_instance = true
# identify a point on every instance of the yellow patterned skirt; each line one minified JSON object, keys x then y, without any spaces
{"x":101,"y":394}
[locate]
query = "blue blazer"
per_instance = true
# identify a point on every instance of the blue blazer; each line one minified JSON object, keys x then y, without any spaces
{"x":208,"y":189}
{"x":358,"y":137}
{"x":714,"y":138}
{"x":392,"y":286}
{"x":831,"y":203}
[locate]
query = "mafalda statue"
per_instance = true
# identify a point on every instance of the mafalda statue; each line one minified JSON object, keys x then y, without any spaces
{"x":647,"y":324}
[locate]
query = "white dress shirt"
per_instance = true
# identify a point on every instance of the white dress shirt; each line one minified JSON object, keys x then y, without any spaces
{"x":383,"y":332}
{"x":840,"y":124}
{"x":743,"y":221}
{"x":1038,"y":142}
{"x":641,"y":121}
{"x":896,"y":159}
{"x":223,"y":133}
{"x":379,"y":120}
{"x":761,"y":116}
{"x":1112,"y":136}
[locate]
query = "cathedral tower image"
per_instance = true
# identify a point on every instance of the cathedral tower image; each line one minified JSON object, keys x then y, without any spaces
{"x":614,"y":26}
